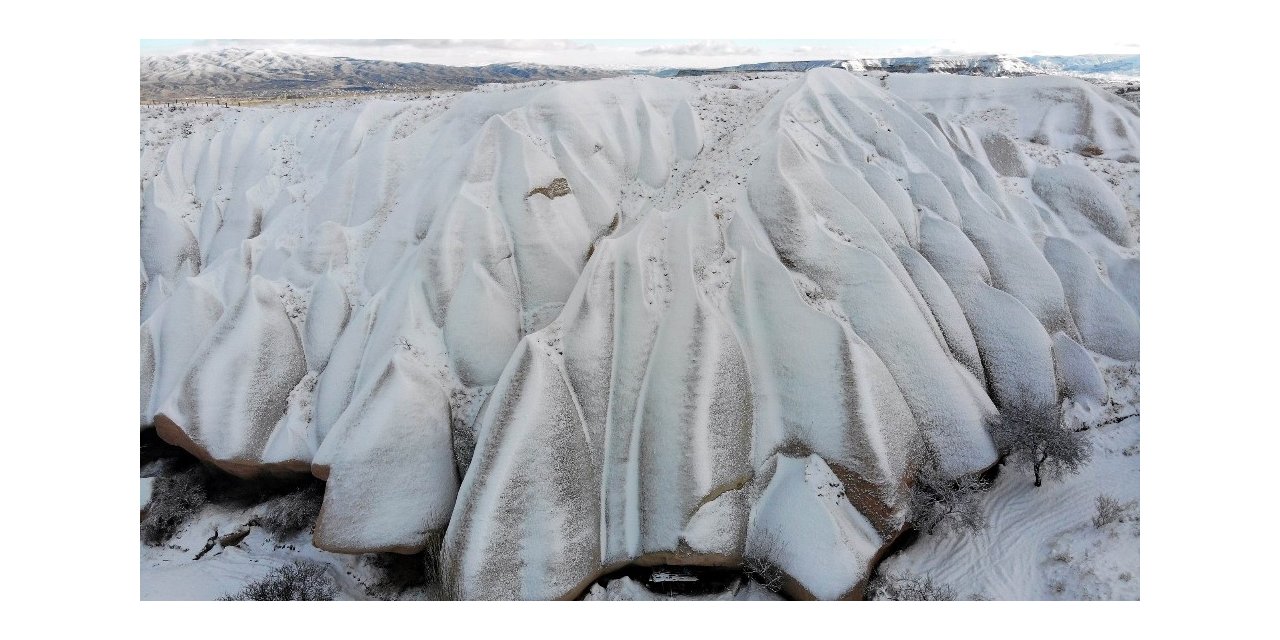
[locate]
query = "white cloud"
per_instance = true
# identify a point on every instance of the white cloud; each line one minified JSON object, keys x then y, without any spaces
{"x":496,"y":44}
{"x":700,"y":48}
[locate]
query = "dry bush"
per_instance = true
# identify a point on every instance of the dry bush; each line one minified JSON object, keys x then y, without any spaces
{"x":758,"y":564}
{"x":1108,"y":510}
{"x":296,"y":581}
{"x":905,"y":586}
{"x":174,"y":500}
{"x":940,"y":501}
{"x":288,"y":514}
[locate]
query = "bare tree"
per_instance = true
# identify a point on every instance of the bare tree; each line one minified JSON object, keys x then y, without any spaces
{"x":938,"y":500}
{"x":1043,"y":443}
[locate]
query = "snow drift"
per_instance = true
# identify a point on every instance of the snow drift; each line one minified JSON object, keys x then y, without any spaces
{"x":577,"y":326}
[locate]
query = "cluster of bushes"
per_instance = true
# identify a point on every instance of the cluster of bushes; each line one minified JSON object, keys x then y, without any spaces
{"x":903,"y":586}
{"x":174,"y":500}
{"x":401,"y":573}
{"x":1041,"y":445}
{"x":183,"y":486}
{"x":296,"y":581}
{"x":938,"y":501}
{"x":293,"y":512}
{"x":178,"y":497}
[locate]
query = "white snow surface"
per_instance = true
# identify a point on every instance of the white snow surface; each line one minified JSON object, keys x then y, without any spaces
{"x":749,"y":280}
{"x":719,"y":526}
{"x":1040,"y":543}
{"x":145,"y":491}
{"x":805,"y":524}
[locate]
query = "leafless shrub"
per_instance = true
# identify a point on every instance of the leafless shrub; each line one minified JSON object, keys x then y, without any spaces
{"x":905,"y":586}
{"x":1108,"y":510}
{"x":293,"y":512}
{"x":401,"y":573}
{"x":174,"y":500}
{"x":759,"y":565}
{"x":940,"y":501}
{"x":296,"y":581}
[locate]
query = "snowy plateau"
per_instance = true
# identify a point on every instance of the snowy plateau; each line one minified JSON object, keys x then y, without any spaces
{"x":741,"y":335}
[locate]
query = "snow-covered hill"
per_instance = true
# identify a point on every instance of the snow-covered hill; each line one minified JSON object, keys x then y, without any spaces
{"x":263,"y":73}
{"x":246,"y":73}
{"x":1110,"y":67}
{"x":574,"y":327}
{"x":994,"y":65}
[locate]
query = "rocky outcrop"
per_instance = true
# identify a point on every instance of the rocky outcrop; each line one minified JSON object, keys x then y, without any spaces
{"x":728,"y":341}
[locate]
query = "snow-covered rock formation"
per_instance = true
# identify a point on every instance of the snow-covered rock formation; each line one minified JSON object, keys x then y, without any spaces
{"x":1111,"y":67}
{"x":240,"y":73}
{"x":578,"y":326}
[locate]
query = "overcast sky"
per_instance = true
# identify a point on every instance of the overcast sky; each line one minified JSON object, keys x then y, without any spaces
{"x":644,"y":53}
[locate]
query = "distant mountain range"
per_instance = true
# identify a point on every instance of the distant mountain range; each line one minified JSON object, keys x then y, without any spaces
{"x":1108,"y":66}
{"x":257,"y":73}
{"x":244,"y":73}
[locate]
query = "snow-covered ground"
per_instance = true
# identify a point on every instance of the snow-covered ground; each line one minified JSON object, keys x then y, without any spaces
{"x":1041,"y":543}
{"x":572,"y":326}
{"x":173,"y":572}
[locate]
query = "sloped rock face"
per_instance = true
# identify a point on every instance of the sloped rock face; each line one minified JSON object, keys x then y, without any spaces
{"x":581,"y":326}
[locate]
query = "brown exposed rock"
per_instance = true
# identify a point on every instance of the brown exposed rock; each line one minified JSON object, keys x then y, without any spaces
{"x":558,"y":187}
{"x":232,"y":539}
{"x":1091,"y":151}
{"x":174,"y":434}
